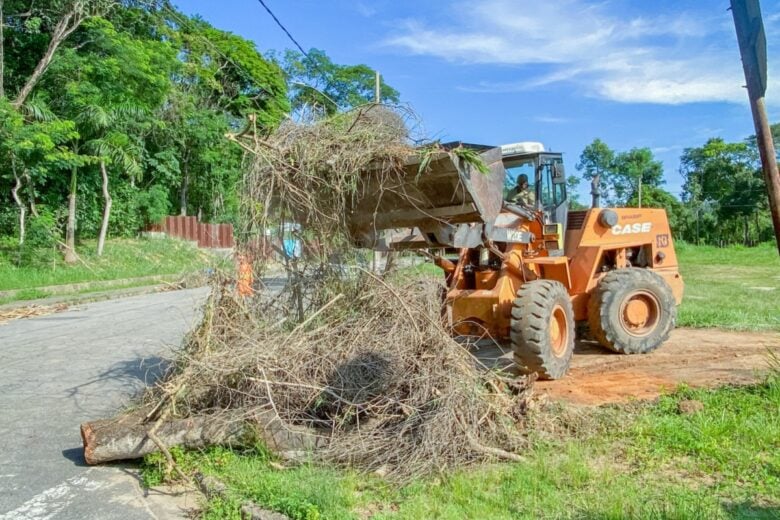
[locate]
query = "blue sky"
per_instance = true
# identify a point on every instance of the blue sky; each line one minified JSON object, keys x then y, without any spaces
{"x":662,"y":74}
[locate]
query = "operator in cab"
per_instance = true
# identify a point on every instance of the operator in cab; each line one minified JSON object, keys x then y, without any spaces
{"x":521,"y":194}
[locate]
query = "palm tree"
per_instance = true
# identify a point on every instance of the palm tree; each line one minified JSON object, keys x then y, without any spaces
{"x":109,"y":146}
{"x":117,"y":149}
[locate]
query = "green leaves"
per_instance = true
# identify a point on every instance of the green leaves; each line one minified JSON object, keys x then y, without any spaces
{"x":620,"y":173}
{"x":315,"y":81}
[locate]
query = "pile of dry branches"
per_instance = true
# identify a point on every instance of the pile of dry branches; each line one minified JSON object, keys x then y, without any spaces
{"x":365,"y":365}
{"x":375,"y":376}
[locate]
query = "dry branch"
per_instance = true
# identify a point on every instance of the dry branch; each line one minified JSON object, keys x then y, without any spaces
{"x":340,"y":366}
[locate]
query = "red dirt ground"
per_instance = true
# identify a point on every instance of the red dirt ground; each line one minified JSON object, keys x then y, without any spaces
{"x":696,"y":357}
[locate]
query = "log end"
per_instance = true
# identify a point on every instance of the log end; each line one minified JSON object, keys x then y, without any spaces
{"x":88,"y":439}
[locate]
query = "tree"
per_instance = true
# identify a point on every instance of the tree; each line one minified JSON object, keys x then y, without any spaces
{"x":597,"y":160}
{"x":69,"y":15}
{"x":72,"y":69}
{"x":315,"y":81}
{"x":723,"y":180}
{"x":620,"y":174}
{"x":31,"y":148}
{"x":109,"y":73}
{"x":572,"y":187}
{"x":634,"y":170}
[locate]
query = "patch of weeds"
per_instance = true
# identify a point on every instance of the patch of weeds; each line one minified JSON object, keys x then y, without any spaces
{"x":155,"y":470}
{"x":31,"y":294}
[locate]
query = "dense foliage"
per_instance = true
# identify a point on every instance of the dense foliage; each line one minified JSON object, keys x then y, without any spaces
{"x":723,"y":200}
{"x":115,"y":112}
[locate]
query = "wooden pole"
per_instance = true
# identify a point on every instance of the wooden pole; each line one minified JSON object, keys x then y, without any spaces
{"x":640,"y":192}
{"x":752,"y":47}
{"x":377,"y":87}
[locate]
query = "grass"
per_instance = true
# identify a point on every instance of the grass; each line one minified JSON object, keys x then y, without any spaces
{"x":733,"y":288}
{"x":640,"y":461}
{"x":643,"y":461}
{"x":122,"y":259}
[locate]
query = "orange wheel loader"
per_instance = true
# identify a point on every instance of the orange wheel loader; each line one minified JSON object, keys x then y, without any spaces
{"x":528,"y":273}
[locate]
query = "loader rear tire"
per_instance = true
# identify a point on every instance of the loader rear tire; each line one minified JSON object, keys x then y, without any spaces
{"x":542,"y":329}
{"x":632,"y":311}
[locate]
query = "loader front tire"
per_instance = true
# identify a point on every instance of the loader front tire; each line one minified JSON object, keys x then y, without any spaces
{"x":542,"y":329}
{"x":632,"y":311}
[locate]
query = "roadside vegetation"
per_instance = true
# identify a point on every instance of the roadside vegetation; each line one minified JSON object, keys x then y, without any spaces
{"x":634,"y":461}
{"x":693,"y":453}
{"x":125,"y":259}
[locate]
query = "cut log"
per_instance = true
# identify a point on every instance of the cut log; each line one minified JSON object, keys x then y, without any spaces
{"x":125,"y":437}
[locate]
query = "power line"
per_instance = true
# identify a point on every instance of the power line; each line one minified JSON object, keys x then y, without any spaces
{"x":242,"y":72}
{"x":281,"y":26}
{"x":300,"y":48}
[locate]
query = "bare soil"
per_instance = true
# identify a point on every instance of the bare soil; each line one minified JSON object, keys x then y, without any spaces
{"x":695,"y":357}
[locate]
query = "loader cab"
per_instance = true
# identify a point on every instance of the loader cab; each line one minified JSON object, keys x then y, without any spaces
{"x":546,"y":177}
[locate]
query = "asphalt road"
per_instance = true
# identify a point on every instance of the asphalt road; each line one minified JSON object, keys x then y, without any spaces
{"x":60,"y":370}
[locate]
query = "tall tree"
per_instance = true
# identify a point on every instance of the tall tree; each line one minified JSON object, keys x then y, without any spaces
{"x":597,"y":160}
{"x":634,"y":170}
{"x":105,"y":72}
{"x":723,"y":179}
{"x":315,"y":81}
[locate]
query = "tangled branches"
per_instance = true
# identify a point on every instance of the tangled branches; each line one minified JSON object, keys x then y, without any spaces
{"x":375,"y":376}
{"x":367,"y":367}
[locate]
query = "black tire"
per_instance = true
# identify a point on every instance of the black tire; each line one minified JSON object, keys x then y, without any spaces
{"x":632,"y":311}
{"x":542,"y":329}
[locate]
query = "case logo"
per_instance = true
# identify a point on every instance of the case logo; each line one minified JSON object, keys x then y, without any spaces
{"x":630,"y":229}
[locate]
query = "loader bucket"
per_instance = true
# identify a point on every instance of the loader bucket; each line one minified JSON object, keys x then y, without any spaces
{"x":449,"y":192}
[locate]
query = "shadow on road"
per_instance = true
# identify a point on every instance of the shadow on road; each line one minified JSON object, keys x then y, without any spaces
{"x":131,"y":375}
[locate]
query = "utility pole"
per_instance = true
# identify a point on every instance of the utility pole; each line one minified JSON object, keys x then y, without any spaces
{"x":377,"y":87}
{"x":640,"y":191}
{"x":752,"y":47}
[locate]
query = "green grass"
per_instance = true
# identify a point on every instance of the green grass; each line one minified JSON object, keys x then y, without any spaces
{"x":641,"y":461}
{"x":122,"y":259}
{"x":734,"y":287}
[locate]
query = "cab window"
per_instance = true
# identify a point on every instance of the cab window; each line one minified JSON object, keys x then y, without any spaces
{"x":514,"y":169}
{"x":552,"y":194}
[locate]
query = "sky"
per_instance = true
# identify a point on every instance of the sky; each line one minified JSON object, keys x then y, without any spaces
{"x":664,"y":74}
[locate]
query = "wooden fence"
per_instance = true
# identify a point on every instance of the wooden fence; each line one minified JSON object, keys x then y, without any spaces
{"x":206,"y":235}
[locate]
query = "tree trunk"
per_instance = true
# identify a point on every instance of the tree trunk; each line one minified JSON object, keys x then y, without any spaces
{"x":125,"y":437}
{"x":70,"y":230}
{"x":2,"y":52}
{"x":22,"y":207}
{"x":69,"y":22}
{"x":106,"y":209}
{"x":30,"y":193}
{"x":185,"y":184}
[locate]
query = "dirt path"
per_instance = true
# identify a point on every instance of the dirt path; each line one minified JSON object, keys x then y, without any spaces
{"x":696,"y":357}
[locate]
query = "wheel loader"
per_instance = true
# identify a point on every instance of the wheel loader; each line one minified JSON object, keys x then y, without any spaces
{"x":527,"y":275}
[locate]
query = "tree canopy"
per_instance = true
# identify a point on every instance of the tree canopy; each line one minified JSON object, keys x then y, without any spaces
{"x":116,"y":111}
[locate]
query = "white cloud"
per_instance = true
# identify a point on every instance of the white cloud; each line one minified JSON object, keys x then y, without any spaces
{"x":365,"y":10}
{"x":553,"y":120}
{"x":668,"y":59}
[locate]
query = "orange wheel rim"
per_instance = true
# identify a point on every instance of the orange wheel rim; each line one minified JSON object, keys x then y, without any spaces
{"x":639,"y":313}
{"x":559,"y":331}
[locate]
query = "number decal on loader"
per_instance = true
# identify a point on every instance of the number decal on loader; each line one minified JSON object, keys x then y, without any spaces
{"x":662,"y":241}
